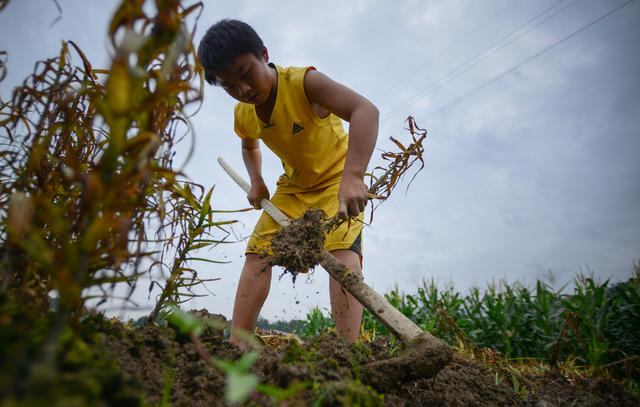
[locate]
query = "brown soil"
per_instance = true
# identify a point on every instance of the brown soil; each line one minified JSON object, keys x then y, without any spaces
{"x":327,"y":370}
{"x":297,"y":247}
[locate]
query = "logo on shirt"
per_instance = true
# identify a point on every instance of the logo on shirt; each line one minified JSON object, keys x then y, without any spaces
{"x":296,"y":128}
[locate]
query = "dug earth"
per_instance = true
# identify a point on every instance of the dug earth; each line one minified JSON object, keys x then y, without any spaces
{"x":323,"y":370}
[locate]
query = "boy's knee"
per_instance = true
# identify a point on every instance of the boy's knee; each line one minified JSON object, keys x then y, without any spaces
{"x":255,"y":262}
{"x":253,"y":258}
{"x":349,"y":258}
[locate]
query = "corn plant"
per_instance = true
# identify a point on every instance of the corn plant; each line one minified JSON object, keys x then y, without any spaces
{"x":88,"y":194}
{"x":589,"y":303}
{"x":195,"y":225}
{"x":87,"y":164}
{"x":316,"y":322}
{"x":623,"y":327}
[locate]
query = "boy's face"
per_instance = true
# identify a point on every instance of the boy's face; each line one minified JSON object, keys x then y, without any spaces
{"x":250,"y":79}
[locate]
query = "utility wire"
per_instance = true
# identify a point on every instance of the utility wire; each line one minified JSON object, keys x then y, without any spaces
{"x":453,"y":44}
{"x":479,"y":57}
{"x":526,"y":61}
{"x":464,"y":36}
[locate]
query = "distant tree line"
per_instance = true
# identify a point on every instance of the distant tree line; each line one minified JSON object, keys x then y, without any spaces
{"x":291,"y":326}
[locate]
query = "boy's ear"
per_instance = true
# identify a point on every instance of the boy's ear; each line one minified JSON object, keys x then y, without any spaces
{"x":265,"y":54}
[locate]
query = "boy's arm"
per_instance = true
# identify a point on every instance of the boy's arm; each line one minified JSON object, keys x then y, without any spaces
{"x":252,"y":158}
{"x":362,"y":116}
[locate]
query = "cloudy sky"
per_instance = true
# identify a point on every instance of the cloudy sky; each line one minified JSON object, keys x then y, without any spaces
{"x":532,"y":109}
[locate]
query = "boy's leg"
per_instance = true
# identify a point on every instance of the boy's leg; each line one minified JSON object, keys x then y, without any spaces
{"x":253,"y":289}
{"x":346,"y":310}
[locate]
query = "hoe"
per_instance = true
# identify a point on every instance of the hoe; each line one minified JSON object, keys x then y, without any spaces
{"x":423,"y":356}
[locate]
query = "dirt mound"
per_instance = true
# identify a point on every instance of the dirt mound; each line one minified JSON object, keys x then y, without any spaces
{"x":114,"y":364}
{"x":326,"y":370}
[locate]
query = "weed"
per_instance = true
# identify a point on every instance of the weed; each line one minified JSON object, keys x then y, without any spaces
{"x":497,"y":378}
{"x":282,"y":395}
{"x":293,"y":352}
{"x":168,"y":377}
{"x":240,"y":383}
{"x":385,"y":179}
{"x":633,"y":387}
{"x":348,"y":393}
{"x":393,"y":348}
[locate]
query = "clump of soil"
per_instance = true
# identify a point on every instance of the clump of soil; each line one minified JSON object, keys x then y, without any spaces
{"x":297,"y":247}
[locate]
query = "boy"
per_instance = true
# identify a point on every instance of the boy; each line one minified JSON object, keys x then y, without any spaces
{"x":296,"y":112}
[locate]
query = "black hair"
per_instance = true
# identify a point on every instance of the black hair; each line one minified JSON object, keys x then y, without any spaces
{"x":223,"y":43}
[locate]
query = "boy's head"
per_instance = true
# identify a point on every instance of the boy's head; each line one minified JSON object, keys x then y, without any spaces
{"x":223,"y":43}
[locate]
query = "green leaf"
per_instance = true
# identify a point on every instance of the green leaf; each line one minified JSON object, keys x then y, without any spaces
{"x":245,"y":362}
{"x":239,"y":386}
{"x":206,"y":207}
{"x":197,"y":246}
{"x":185,"y":322}
{"x":223,"y":365}
{"x":206,"y":260}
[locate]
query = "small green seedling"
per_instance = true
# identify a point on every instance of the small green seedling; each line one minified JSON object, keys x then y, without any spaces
{"x":240,"y":382}
{"x":187,"y":324}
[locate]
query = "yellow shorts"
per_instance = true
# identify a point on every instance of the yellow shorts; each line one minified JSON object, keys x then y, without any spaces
{"x":293,"y":205}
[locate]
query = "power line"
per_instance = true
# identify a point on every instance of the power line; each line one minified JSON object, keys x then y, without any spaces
{"x":455,"y":42}
{"x":479,"y":57}
{"x":526,"y":61}
{"x":497,"y":13}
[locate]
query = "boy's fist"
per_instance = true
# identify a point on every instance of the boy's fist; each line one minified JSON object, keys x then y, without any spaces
{"x":352,"y":196}
{"x":257,"y":192}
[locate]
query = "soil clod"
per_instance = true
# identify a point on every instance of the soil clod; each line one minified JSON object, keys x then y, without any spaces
{"x":297,"y":247}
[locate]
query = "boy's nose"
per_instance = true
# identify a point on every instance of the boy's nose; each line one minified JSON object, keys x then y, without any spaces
{"x":243,"y":89}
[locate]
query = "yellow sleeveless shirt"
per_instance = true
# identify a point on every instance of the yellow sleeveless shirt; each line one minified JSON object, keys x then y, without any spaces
{"x":312,"y":150}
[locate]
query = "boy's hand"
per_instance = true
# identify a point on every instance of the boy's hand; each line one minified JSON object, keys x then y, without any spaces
{"x":257,"y":192}
{"x":352,"y":196}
